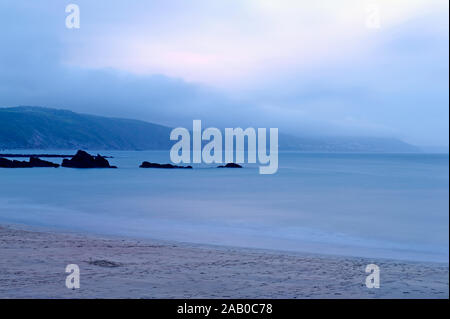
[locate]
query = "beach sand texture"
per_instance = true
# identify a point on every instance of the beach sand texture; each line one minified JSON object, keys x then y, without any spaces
{"x":32,"y":265}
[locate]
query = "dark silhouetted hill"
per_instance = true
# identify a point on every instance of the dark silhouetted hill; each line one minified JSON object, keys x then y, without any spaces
{"x":44,"y":128}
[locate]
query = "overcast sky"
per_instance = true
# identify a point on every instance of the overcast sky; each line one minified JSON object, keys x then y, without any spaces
{"x":348,"y":67}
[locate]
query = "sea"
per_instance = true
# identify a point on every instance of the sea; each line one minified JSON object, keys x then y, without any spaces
{"x":364,"y":205}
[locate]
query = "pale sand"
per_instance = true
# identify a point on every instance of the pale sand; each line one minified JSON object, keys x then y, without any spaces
{"x":32,"y":265}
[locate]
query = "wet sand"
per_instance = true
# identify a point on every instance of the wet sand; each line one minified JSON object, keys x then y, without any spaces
{"x":33,"y":262}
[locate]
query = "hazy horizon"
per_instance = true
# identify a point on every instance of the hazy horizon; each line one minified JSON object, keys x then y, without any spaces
{"x":305,"y":68}
{"x":291,"y":138}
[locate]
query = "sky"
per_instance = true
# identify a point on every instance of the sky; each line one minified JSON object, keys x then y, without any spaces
{"x":348,"y":67}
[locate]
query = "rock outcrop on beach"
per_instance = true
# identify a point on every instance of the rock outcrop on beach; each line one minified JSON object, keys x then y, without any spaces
{"x":33,"y":162}
{"x":156,"y":165}
{"x":230,"y":165}
{"x":85,"y":160}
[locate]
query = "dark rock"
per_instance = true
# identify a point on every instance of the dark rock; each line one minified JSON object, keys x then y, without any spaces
{"x":34,"y":162}
{"x":230,"y":165}
{"x":156,"y":165}
{"x":37,"y":162}
{"x":85,"y":160}
{"x":6,"y":163}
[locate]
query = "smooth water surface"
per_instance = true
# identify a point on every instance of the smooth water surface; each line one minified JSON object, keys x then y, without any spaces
{"x":372,"y":205}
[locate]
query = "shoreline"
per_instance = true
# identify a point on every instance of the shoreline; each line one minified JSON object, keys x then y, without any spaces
{"x":34,"y":259}
{"x":213,"y":246}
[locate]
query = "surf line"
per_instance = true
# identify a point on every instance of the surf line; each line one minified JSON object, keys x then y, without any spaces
{"x":212,"y":151}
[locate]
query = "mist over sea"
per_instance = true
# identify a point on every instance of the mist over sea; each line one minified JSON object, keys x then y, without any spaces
{"x":371,"y":205}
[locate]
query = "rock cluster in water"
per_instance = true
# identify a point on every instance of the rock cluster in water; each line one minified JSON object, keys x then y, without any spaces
{"x":156,"y":165}
{"x":33,"y":162}
{"x":85,"y":160}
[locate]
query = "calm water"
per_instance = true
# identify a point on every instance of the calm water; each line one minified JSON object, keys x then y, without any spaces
{"x":372,"y":205}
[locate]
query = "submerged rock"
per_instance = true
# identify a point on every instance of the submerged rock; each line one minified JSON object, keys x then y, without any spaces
{"x":85,"y":160}
{"x":33,"y":162}
{"x":230,"y":165}
{"x":156,"y":165}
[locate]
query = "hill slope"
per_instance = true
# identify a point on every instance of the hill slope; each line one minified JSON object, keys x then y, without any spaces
{"x":29,"y":127}
{"x":44,"y":128}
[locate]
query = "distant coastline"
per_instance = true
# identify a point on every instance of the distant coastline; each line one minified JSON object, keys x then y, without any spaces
{"x":43,"y":128}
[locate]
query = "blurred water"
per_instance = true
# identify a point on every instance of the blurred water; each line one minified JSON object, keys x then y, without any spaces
{"x":373,"y":205}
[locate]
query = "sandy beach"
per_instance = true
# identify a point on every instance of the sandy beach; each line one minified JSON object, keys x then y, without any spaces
{"x":32,"y":265}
